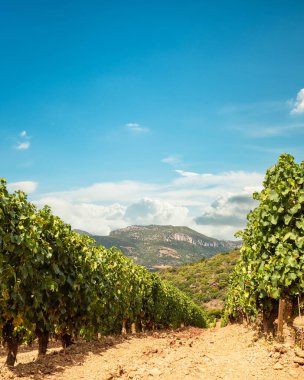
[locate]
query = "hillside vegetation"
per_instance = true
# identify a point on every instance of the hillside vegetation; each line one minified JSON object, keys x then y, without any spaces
{"x":156,"y":246}
{"x":206,"y":281}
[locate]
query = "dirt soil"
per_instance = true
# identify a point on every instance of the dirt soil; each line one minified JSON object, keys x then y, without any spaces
{"x":220,"y":353}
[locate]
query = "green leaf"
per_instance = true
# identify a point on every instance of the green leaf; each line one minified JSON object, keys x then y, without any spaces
{"x":292,"y":276}
{"x":287,"y":219}
{"x":273,"y":196}
{"x":291,"y":262}
{"x":274,"y":219}
{"x":275,"y":293}
{"x":300,"y":224}
{"x":290,"y":236}
{"x":295,"y":209}
{"x":300,"y":242}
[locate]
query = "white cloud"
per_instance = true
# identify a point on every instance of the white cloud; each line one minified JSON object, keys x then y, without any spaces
{"x":23,"y":145}
{"x":228,"y":210}
{"x":188,"y":189}
{"x":298,"y":104}
{"x":226,"y":215}
{"x":103,"y":207}
{"x":172,"y":159}
{"x":128,"y":191}
{"x":154,"y":211}
{"x":26,"y":186}
{"x":93,"y":218}
{"x":186,"y":174}
{"x":135,"y":127}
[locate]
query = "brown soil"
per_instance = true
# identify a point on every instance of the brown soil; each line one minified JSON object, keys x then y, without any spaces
{"x":229,"y":353}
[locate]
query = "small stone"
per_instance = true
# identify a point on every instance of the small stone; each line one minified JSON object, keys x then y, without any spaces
{"x":293,"y":373}
{"x":279,"y":348}
{"x":299,"y":353}
{"x":155,"y":372}
{"x":278,"y":367}
{"x":299,"y":360}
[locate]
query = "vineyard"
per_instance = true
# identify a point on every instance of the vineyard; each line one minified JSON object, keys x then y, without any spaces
{"x":55,"y":282}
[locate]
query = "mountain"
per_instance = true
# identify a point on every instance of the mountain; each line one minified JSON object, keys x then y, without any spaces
{"x":205,"y":281}
{"x":157,"y":247}
{"x":81,"y":232}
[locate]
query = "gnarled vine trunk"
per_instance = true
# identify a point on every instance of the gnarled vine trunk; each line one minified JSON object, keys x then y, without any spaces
{"x":43,"y":340}
{"x":11,"y":343}
{"x":66,"y":340}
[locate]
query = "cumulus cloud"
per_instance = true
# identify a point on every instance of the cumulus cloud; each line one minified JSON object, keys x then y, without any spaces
{"x":93,"y":218}
{"x":298,"y":104}
{"x":226,"y":215}
{"x":228,"y":210}
{"x":153,"y":211}
{"x":188,"y":188}
{"x":213,"y":204}
{"x":23,"y":134}
{"x":26,"y":186}
{"x":23,"y":145}
{"x":101,"y":219}
{"x":135,"y":127}
{"x":202,"y":189}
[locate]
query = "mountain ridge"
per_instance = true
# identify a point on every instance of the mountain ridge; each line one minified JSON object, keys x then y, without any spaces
{"x":157,"y":247}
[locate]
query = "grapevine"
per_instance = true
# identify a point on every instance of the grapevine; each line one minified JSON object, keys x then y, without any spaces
{"x":271,"y":265}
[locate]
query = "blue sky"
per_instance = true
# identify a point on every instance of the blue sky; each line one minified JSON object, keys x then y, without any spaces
{"x":122,"y":112}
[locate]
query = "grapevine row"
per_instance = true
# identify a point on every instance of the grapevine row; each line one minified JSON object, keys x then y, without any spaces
{"x":55,"y":281}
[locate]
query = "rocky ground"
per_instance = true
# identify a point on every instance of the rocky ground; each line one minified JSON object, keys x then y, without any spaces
{"x":220,"y":353}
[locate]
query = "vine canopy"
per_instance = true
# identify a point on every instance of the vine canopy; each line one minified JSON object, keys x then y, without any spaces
{"x":271,"y":265}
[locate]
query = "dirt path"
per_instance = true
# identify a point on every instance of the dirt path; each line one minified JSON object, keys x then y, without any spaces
{"x":227,"y":353}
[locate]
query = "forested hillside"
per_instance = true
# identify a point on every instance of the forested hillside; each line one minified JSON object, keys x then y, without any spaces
{"x":206,"y":281}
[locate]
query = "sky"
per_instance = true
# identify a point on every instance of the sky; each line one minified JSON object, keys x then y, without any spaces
{"x":149,"y":112}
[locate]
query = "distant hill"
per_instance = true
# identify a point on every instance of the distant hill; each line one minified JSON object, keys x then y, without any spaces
{"x":156,"y":247}
{"x":81,"y":232}
{"x":205,"y":281}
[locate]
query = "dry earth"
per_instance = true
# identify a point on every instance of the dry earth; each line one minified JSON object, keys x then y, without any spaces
{"x":228,"y":353}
